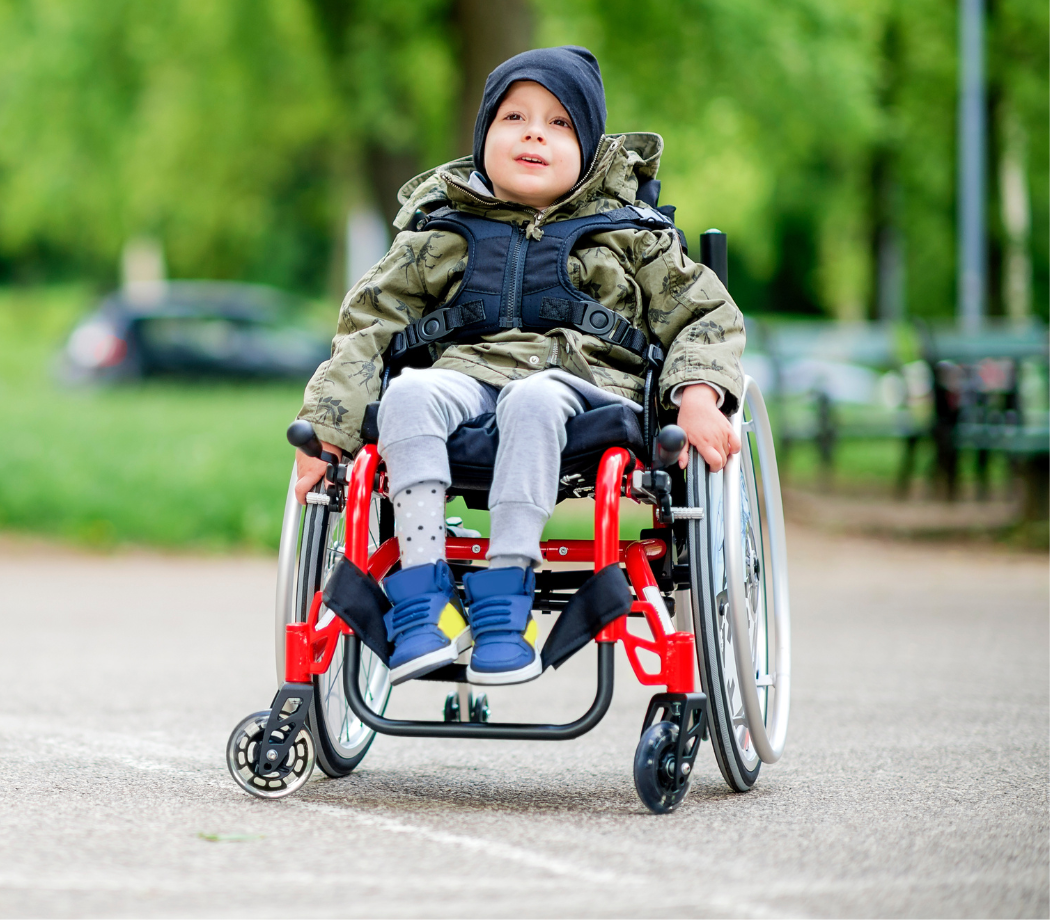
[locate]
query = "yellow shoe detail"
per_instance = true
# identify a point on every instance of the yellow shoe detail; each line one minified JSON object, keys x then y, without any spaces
{"x":451,"y":622}
{"x":530,"y":633}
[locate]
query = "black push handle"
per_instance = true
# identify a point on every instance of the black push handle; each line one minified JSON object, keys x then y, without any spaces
{"x":714,"y":253}
{"x":301,"y":434}
{"x":670,"y":443}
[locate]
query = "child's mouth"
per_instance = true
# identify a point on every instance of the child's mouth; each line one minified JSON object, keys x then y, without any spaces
{"x":531,"y":160}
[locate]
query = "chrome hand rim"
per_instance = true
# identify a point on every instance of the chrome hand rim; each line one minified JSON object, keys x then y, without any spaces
{"x":767,"y":718}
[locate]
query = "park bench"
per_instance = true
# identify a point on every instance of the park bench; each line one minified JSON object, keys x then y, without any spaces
{"x":834,"y":381}
{"x":990,"y":396}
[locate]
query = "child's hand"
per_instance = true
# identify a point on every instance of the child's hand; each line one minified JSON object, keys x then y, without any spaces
{"x":309,"y":470}
{"x":705,"y":427}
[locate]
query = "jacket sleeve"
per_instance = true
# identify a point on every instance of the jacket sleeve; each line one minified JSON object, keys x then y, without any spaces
{"x":415,"y":275}
{"x":692,"y":315}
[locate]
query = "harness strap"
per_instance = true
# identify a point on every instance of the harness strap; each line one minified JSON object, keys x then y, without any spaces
{"x":589,"y":317}
{"x":581,"y":313}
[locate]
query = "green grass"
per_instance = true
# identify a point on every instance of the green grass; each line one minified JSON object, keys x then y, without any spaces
{"x":203,"y":466}
{"x":870,"y":467}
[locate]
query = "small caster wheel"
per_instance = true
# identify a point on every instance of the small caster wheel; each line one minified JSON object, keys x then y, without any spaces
{"x":452,"y":708}
{"x":286,"y":777}
{"x":654,"y":769}
{"x":479,"y":709}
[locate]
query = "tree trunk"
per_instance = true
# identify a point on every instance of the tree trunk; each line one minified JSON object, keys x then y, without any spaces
{"x":490,"y":31}
{"x":486,"y":32}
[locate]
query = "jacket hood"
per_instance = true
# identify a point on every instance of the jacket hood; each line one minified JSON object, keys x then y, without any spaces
{"x":621,"y":164}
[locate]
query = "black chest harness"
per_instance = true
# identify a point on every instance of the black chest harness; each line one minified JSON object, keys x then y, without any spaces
{"x":512,"y":282}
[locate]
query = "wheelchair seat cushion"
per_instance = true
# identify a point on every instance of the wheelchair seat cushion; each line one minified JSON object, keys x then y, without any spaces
{"x":472,"y":447}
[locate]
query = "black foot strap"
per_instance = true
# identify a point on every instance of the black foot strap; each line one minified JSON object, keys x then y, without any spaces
{"x":356,"y":598}
{"x":601,"y":599}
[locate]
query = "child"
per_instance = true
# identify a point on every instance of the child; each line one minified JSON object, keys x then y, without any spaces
{"x":476,"y":246}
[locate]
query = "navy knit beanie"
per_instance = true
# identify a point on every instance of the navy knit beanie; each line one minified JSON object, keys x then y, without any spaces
{"x":571,"y":73}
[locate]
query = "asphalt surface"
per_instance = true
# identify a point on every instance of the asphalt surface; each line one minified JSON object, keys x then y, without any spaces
{"x":914,"y":783}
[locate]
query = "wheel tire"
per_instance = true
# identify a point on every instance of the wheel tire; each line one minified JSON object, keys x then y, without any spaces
{"x":736,"y":756}
{"x":654,"y":769}
{"x":241,"y":754}
{"x":341,"y":739}
{"x":451,"y":711}
{"x":479,"y":710}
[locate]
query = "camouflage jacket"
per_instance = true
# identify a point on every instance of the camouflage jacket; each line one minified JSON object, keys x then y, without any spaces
{"x":642,"y":274}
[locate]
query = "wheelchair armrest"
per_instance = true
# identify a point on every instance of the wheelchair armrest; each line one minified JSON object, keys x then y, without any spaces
{"x":370,"y":424}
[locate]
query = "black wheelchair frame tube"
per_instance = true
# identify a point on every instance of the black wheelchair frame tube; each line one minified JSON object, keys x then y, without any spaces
{"x":495,"y":730}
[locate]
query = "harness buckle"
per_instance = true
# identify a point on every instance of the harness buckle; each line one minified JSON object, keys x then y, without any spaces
{"x":598,"y":320}
{"x":433,"y":326}
{"x":398,"y":345}
{"x":651,"y":216}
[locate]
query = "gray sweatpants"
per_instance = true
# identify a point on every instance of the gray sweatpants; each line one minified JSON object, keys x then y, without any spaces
{"x":422,"y":408}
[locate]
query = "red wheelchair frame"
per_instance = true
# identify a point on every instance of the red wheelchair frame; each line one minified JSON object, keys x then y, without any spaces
{"x":271,"y":754}
{"x":309,"y":650}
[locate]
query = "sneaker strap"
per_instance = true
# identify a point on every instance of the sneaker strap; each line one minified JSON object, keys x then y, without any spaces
{"x":421,"y":611}
{"x":509,"y":613}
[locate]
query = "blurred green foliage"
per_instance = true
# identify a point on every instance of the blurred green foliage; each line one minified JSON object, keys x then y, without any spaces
{"x":239,"y":133}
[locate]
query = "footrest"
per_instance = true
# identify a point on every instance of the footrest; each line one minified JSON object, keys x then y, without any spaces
{"x":449,"y":674}
{"x":356,"y":598}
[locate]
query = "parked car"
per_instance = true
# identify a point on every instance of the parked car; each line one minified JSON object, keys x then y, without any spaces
{"x":192,"y":329}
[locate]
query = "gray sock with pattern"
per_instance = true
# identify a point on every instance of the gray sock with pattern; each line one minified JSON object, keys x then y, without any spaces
{"x":419,"y":523}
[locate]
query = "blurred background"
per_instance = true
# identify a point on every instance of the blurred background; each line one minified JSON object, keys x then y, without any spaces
{"x":188,"y":189}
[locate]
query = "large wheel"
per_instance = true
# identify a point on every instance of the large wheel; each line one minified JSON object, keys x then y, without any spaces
{"x":738,"y":570}
{"x":312,"y":540}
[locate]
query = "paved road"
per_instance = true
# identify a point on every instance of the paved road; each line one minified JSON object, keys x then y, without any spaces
{"x":915,"y":781}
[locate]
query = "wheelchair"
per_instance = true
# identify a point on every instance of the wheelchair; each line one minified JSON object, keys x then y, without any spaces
{"x":714,"y":561}
{"x":715,"y":557}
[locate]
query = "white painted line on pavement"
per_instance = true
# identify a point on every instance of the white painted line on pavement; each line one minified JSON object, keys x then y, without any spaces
{"x":478,"y":844}
{"x":121,"y":748}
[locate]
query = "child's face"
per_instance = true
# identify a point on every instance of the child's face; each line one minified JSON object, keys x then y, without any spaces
{"x":531,"y":152}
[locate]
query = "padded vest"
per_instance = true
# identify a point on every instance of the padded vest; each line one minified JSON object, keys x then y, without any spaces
{"x":512,"y":282}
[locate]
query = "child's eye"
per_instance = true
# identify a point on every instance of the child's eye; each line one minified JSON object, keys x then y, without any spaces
{"x":513,"y":116}
{"x":563,"y":123}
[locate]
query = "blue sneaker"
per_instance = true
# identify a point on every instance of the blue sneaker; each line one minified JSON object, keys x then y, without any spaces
{"x":501,"y":622}
{"x":427,"y":623}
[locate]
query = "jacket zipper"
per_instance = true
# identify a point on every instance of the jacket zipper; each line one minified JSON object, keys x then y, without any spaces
{"x":510,"y":313}
{"x":487,"y":201}
{"x":552,"y":360}
{"x":542,"y":215}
